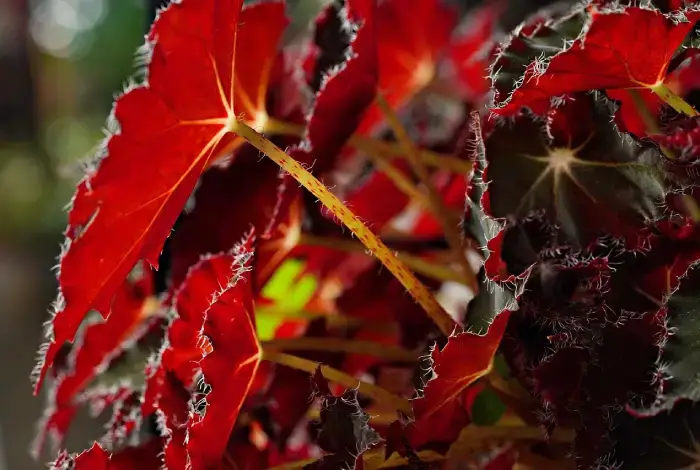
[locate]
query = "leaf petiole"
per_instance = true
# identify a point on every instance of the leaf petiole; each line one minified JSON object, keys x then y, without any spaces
{"x":418,"y":264}
{"x":349,"y":346}
{"x":376,"y":147}
{"x":449,"y":223}
{"x":375,"y":392}
{"x":416,"y":288}
{"x":673,"y":100}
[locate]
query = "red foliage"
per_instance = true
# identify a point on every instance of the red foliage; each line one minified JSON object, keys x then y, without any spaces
{"x":100,"y":343}
{"x":577,"y":190}
{"x":632,"y":48}
{"x":163,"y":122}
{"x":452,"y":373}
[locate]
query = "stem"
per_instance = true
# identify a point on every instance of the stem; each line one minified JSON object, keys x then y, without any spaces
{"x":506,"y":387}
{"x":376,"y":418}
{"x":449,"y":223}
{"x":516,"y":433}
{"x":691,"y":206}
{"x":419,"y":292}
{"x":275,"y":311}
{"x":367,"y":348}
{"x":393,"y":150}
{"x":401,"y":181}
{"x":673,"y":100}
{"x":378,"y":394}
{"x":378,"y":148}
{"x":333,"y":320}
{"x":416,"y":263}
{"x":513,"y":396}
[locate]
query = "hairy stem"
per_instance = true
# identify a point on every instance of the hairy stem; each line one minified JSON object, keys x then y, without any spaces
{"x":449,"y":223}
{"x":416,"y":288}
{"x":517,"y":433}
{"x":512,"y":395}
{"x":673,"y":100}
{"x":379,"y":394}
{"x":382,"y":163}
{"x":399,"y":179}
{"x":427,"y":268}
{"x":378,"y":148}
{"x":367,"y":348}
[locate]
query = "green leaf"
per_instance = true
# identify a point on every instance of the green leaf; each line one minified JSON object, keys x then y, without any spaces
{"x":289,"y":293}
{"x":487,"y":409}
{"x":577,"y":169}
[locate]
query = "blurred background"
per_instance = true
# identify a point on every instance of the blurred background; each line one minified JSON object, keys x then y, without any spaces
{"x":61,"y":63}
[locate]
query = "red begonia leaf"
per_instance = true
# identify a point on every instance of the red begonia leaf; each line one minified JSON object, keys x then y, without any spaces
{"x":163,"y":125}
{"x":441,"y":428}
{"x":397,"y":442}
{"x":284,"y":402}
{"x":145,"y":457}
{"x":363,"y":199}
{"x":233,"y":355}
{"x":468,"y":51}
{"x":542,"y":35}
{"x":244,"y":453}
{"x":684,"y":78}
{"x":214,"y":333}
{"x":344,"y":94}
{"x":396,"y":53}
{"x":452,"y":189}
{"x":126,"y":416}
{"x":627,"y":48}
{"x":629,"y":117}
{"x":100,"y":342}
{"x":379,"y":297}
{"x":168,"y":400}
{"x":411,"y":36}
{"x":640,"y":110}
{"x":466,"y":358}
{"x":250,"y":192}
